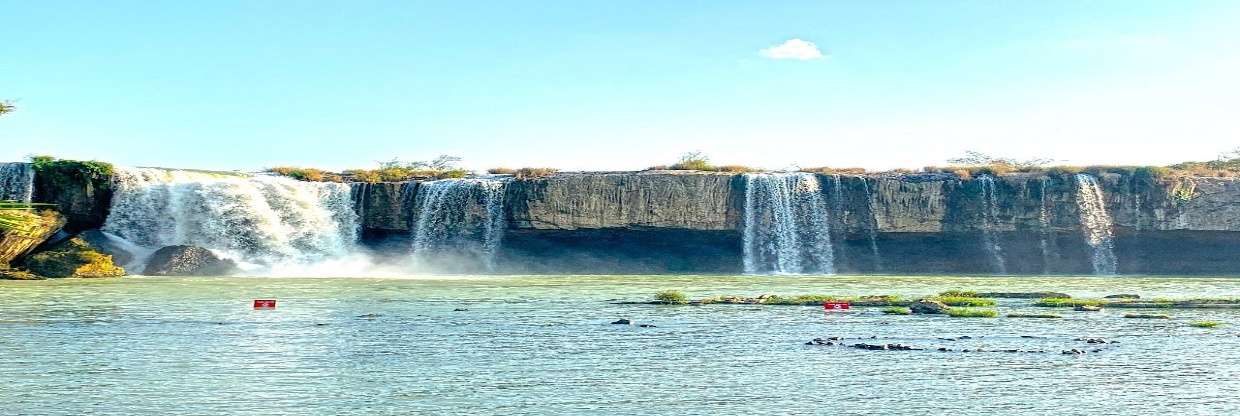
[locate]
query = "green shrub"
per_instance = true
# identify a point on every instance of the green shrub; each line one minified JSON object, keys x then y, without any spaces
{"x":735,"y":169}
{"x":502,"y":171}
{"x":897,"y":310}
{"x":1204,"y":324}
{"x":671,"y":297}
{"x":958,"y":294}
{"x":971,"y":313}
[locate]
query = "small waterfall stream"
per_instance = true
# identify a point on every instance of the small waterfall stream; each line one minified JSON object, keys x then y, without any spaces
{"x":1096,"y":224}
{"x":16,"y":181}
{"x":1046,"y":233}
{"x":872,"y":229}
{"x":459,"y":218}
{"x":787,"y":227}
{"x":262,"y":221}
{"x":990,"y":213}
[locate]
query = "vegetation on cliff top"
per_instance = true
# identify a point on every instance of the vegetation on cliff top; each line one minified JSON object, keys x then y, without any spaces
{"x":6,"y":107}
{"x":395,"y":170}
{"x":697,"y":160}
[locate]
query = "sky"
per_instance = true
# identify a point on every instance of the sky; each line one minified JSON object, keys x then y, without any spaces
{"x":618,"y":85}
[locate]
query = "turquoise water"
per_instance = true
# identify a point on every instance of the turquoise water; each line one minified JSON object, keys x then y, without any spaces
{"x":544,"y":345}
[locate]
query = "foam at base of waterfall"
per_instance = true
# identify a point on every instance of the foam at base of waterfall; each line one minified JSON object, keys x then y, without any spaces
{"x":786,"y":226}
{"x":262,"y":222}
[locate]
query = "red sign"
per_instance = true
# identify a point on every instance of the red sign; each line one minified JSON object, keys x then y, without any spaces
{"x":836,"y":306}
{"x":264,"y":303}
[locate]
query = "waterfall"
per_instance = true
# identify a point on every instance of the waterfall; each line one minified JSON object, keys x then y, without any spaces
{"x":359,"y":192}
{"x":787,"y":228}
{"x":990,"y":213}
{"x":1096,"y":224}
{"x":459,"y":218}
{"x":261,"y":221}
{"x":837,"y":207}
{"x":16,"y":181}
{"x":1046,"y":242}
{"x":872,"y":230}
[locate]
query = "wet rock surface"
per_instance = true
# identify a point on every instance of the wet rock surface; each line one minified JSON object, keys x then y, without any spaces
{"x":929,"y":307}
{"x":188,"y":261}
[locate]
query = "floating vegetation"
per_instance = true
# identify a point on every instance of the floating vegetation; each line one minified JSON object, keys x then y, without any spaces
{"x":897,"y":310}
{"x":964,"y":301}
{"x":1034,"y":315}
{"x":972,"y":313}
{"x":1204,"y":324}
{"x":671,"y":297}
{"x":958,"y":294}
{"x":1146,"y":316}
{"x":1225,"y":303}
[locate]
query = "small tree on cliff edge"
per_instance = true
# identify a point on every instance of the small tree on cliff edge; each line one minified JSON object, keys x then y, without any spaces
{"x":6,"y":107}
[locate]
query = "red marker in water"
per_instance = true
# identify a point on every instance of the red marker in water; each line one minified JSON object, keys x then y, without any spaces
{"x":264,"y":303}
{"x":836,"y":306}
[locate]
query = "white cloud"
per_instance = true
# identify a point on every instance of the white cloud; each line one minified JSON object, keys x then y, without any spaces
{"x":798,"y":49}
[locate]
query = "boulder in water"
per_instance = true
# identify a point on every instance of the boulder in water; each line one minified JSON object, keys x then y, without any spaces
{"x":15,"y":243}
{"x":1088,"y":308}
{"x":929,"y":307}
{"x":187,"y":261}
{"x":73,"y":258}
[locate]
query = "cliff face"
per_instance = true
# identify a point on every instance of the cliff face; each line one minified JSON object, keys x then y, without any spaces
{"x":14,"y":244}
{"x":690,"y":200}
{"x":915,"y":223}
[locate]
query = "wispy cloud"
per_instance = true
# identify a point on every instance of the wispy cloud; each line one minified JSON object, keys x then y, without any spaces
{"x":797,"y":49}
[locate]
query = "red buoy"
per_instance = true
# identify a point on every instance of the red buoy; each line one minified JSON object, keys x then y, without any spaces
{"x":264,"y":303}
{"x":836,"y":306}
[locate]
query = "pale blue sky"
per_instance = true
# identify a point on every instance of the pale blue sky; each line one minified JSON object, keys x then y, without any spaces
{"x":617,"y":84}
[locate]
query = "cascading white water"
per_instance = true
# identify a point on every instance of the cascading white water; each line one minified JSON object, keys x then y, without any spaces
{"x":872,"y":230}
{"x":787,"y":227}
{"x":1046,"y":242}
{"x":1096,"y":223}
{"x":459,"y":218}
{"x":990,"y":213}
{"x":264,"y":222}
{"x":16,"y":181}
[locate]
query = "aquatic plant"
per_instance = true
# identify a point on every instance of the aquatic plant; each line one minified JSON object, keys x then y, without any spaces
{"x":671,"y":297}
{"x":958,"y":294}
{"x":972,"y":313}
{"x":1034,"y":315}
{"x":1204,"y":324}
{"x":964,"y":301}
{"x":897,"y":310}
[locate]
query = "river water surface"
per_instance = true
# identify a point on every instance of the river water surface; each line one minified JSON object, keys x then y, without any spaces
{"x":545,"y":345}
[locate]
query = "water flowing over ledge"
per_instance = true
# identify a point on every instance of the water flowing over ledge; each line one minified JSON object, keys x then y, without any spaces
{"x":787,"y":228}
{"x":263,"y":221}
{"x":16,"y":182}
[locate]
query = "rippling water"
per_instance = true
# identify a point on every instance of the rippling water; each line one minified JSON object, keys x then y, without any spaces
{"x":544,"y":345}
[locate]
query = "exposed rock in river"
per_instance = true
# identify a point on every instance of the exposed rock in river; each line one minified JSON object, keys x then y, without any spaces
{"x":188,"y":261}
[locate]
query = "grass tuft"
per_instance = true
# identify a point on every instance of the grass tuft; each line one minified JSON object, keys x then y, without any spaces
{"x":897,"y":310}
{"x":972,"y":313}
{"x":964,"y":301}
{"x":1204,"y":324}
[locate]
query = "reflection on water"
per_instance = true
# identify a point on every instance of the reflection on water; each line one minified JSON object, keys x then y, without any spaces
{"x":543,"y":345}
